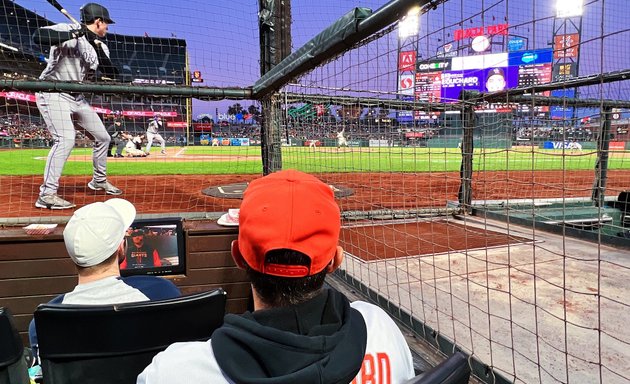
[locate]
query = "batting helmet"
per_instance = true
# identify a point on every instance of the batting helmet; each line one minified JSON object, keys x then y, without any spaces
{"x":93,"y":11}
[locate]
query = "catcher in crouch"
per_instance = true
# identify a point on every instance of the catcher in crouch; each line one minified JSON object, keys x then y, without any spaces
{"x":134,"y":145}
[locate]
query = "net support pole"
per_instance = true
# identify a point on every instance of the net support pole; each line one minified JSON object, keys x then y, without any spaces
{"x":271,"y":145}
{"x":464,"y":195}
{"x":601,"y":164}
{"x":275,"y":44}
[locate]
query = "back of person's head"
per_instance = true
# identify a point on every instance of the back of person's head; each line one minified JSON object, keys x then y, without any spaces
{"x":95,"y":232}
{"x":289,"y":226}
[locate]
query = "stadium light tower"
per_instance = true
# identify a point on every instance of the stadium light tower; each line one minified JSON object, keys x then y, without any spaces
{"x":408,"y":26}
{"x":408,"y":54}
{"x":569,"y":8}
{"x":567,"y":34}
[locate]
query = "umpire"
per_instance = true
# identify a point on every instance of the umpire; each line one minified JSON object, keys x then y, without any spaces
{"x":115,"y":131}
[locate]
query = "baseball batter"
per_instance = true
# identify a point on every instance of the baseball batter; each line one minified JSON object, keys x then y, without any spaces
{"x":75,"y":53}
{"x":153,"y":133}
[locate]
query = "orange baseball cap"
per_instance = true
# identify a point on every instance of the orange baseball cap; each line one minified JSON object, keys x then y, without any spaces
{"x":288,"y":210}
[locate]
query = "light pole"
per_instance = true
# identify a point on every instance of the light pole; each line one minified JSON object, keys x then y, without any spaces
{"x":407,"y":55}
{"x":567,"y":33}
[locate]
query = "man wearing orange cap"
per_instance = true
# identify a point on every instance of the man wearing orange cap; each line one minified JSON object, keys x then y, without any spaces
{"x":299,"y":332}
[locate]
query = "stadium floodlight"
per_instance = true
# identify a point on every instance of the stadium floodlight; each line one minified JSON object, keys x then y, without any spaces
{"x":408,"y":25}
{"x":569,"y":8}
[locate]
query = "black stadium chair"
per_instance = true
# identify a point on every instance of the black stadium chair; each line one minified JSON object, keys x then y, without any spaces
{"x":13,"y":368}
{"x":114,"y":343}
{"x":454,"y":370}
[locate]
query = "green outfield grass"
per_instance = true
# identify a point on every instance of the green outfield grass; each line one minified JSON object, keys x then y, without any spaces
{"x":246,"y":160}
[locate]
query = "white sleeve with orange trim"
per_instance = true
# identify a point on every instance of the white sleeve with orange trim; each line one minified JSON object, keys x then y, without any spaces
{"x":387,"y":355}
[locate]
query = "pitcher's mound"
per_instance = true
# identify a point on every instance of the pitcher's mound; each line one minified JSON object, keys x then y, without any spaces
{"x":235,"y":191}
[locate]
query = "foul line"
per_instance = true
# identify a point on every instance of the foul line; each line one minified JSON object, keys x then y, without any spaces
{"x":180,"y":152}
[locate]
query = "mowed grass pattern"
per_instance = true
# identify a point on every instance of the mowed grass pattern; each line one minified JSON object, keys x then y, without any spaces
{"x":247,"y":160}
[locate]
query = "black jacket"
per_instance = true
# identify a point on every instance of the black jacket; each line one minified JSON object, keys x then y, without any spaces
{"x":320,"y":341}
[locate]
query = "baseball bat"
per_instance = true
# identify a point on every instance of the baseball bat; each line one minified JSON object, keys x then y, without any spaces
{"x":61,"y":9}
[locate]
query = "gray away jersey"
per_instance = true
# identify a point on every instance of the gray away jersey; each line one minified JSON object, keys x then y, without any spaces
{"x":72,"y":59}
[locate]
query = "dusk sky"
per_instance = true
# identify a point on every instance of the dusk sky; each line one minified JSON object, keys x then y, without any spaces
{"x":222,"y":36}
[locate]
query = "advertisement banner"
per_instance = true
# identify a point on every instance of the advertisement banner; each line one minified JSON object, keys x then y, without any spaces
{"x":378,"y":143}
{"x":204,"y":127}
{"x":447,"y":50}
{"x":564,"y":71}
{"x":102,"y":110}
{"x":407,"y":61}
{"x":617,"y":146}
{"x":406,"y":84}
{"x":176,"y":124}
{"x":566,"y":46}
{"x":433,"y":66}
{"x":538,"y":56}
{"x":557,"y":145}
{"x":19,"y":96}
{"x":148,"y":114}
{"x":516,"y":43}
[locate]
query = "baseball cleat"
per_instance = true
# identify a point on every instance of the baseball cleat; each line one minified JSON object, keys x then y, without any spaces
{"x":163,"y":152}
{"x":53,"y":201}
{"x":104,"y":186}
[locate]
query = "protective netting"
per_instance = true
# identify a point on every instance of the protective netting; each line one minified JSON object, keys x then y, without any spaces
{"x":451,"y":115}
{"x":481,"y":149}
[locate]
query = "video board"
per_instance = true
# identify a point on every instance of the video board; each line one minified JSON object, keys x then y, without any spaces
{"x":444,"y":80}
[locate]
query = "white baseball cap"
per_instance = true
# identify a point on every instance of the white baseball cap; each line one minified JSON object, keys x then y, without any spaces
{"x":95,"y":231}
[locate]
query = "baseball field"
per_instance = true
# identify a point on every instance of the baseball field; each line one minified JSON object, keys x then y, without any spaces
{"x":379,"y":178}
{"x":204,"y":160}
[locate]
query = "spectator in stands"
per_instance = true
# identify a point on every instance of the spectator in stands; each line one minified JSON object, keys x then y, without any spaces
{"x":94,"y":238}
{"x":299,"y":331}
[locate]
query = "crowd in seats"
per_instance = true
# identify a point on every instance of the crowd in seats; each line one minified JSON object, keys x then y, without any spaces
{"x":24,"y":132}
{"x":23,"y":129}
{"x":554,"y":133}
